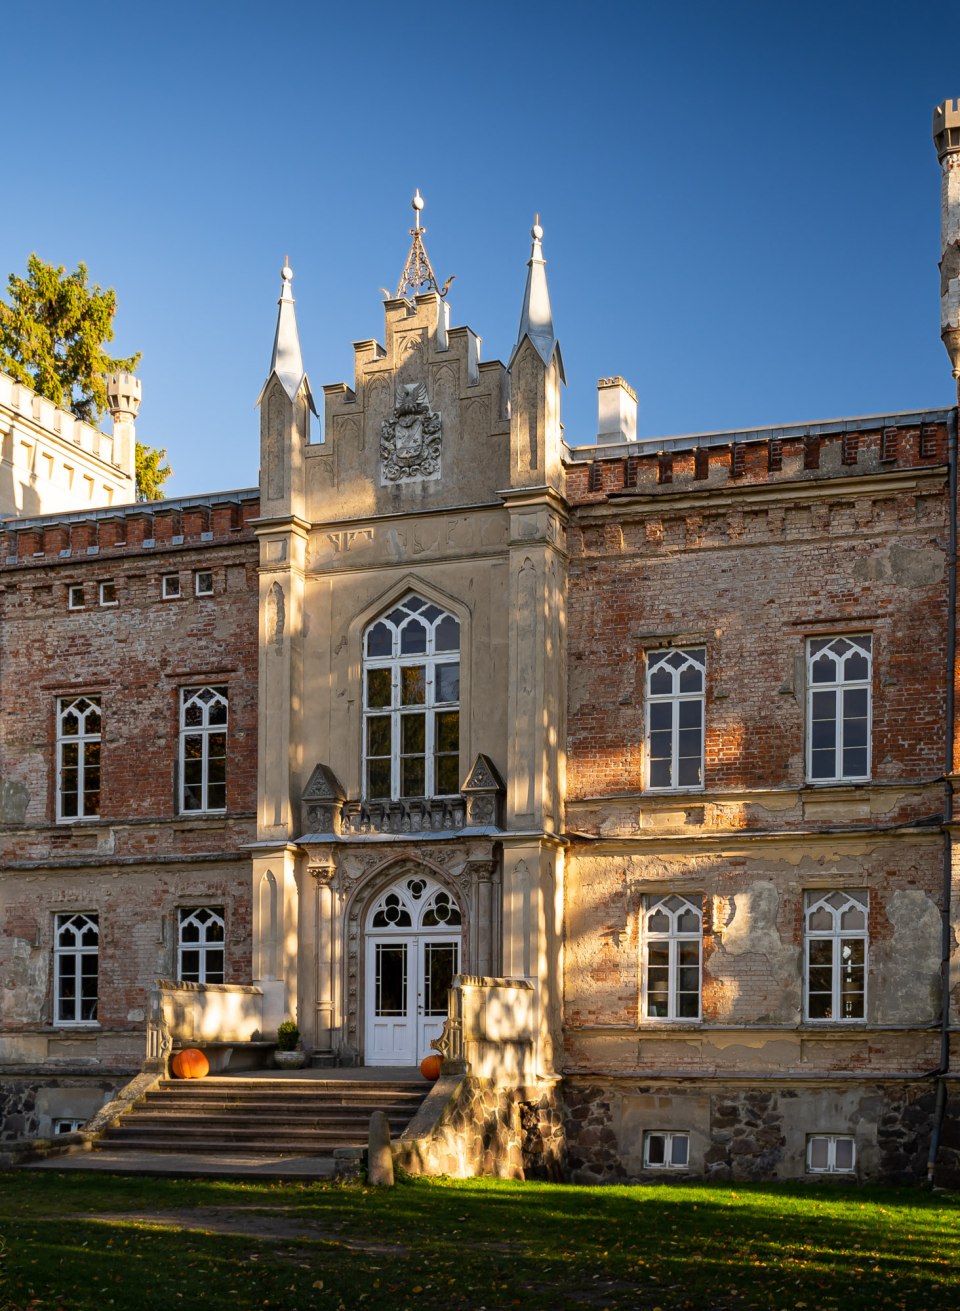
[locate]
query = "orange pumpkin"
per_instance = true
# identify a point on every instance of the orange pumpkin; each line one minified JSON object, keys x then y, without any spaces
{"x":430,"y":1067}
{"x":190,"y":1064}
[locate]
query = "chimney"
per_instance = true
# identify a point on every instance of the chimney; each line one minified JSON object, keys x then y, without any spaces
{"x":617,"y":409}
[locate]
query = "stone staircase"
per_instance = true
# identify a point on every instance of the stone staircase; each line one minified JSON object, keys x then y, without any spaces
{"x":293,"y":1117}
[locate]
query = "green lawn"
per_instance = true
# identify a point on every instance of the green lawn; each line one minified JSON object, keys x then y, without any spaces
{"x":78,"y":1241}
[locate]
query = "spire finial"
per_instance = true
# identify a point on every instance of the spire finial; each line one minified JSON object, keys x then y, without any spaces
{"x":287,"y":362}
{"x":536,"y":316}
{"x":418,"y":274}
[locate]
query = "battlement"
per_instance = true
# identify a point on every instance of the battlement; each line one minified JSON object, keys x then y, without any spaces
{"x":946,"y":127}
{"x":50,"y":460}
{"x":146,"y":527}
{"x":874,"y":444}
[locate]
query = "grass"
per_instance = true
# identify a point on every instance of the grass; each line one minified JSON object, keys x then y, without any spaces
{"x":74,"y":1241}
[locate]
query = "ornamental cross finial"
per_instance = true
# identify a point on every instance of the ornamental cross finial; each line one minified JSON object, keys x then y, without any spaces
{"x":418,"y":274}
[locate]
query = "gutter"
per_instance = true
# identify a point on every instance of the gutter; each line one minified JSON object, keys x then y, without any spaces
{"x":944,"y":1070}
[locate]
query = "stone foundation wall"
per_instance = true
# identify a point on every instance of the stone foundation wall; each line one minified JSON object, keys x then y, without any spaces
{"x":742,"y":1133}
{"x":29,"y":1105}
{"x":470,"y":1127}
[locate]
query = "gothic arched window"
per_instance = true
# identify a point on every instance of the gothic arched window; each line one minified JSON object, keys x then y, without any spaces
{"x":411,"y":703}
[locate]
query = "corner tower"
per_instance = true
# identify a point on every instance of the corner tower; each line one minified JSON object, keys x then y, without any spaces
{"x":946,"y":138}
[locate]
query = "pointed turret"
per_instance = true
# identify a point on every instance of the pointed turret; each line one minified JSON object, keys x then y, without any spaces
{"x":536,"y":372}
{"x":536,"y":316}
{"x":287,"y":362}
{"x":285,"y":402}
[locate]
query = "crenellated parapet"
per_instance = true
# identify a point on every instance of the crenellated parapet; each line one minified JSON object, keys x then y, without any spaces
{"x":51,"y":461}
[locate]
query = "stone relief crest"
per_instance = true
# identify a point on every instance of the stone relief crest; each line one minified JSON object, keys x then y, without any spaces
{"x":410,"y":438}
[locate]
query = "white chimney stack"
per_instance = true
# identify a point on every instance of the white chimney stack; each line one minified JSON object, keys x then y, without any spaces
{"x":617,"y":409}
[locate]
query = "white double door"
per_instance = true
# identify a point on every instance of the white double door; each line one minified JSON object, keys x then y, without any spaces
{"x":408,"y":978}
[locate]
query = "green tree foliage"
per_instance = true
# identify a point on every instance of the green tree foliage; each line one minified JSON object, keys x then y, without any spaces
{"x":52,"y":337}
{"x":151,"y":473}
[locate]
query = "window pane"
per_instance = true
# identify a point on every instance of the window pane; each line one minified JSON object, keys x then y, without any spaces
{"x":856,"y":668}
{"x":661,"y":682}
{"x":391,"y":990}
{"x":413,"y":685}
{"x":190,"y":966}
{"x":213,"y":970}
{"x":447,"y":683}
{"x":854,"y":762}
{"x":678,"y":1149}
{"x":378,"y":780}
{"x":660,"y":715}
{"x":823,"y":669}
{"x":843,"y":1153}
{"x":448,"y":775}
{"x":413,"y":734}
{"x":412,"y":776}
{"x":378,"y":735}
{"x":819,"y":1149}
{"x":656,"y":1149}
{"x":855,"y":703}
{"x":447,"y":635}
{"x":823,"y":764}
{"x":413,"y":638}
{"x":448,"y":731}
{"x":691,"y":680}
{"x":380,"y":640}
{"x":660,"y":774}
{"x":378,"y":688}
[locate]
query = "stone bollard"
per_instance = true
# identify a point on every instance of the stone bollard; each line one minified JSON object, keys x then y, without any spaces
{"x":379,"y":1155}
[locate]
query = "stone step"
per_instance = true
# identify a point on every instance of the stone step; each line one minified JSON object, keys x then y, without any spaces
{"x":308,"y":1117}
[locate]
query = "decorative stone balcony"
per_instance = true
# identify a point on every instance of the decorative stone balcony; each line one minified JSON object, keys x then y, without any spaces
{"x":327,"y":810}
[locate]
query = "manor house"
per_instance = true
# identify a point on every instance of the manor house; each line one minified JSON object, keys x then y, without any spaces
{"x":621,"y":771}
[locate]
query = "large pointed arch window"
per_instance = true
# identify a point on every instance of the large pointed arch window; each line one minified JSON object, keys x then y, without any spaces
{"x":411,"y":703}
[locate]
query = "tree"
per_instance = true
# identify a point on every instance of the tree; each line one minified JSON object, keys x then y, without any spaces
{"x":151,"y":474}
{"x":52,"y":338}
{"x":53,"y":333}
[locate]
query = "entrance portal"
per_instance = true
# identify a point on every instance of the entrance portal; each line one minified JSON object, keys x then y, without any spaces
{"x":413,"y":953}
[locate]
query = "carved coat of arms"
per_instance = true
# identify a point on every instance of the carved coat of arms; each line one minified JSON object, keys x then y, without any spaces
{"x":410,"y":438}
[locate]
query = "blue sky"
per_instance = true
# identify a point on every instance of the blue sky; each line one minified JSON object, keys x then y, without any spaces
{"x":740,"y":200}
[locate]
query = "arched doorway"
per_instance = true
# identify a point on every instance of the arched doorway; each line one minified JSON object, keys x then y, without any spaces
{"x":413,"y":939}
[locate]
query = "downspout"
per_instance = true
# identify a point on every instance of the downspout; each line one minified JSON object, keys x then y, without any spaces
{"x":944,"y":1065}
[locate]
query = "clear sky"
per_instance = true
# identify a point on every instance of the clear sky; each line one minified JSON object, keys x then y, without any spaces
{"x":740,"y":200}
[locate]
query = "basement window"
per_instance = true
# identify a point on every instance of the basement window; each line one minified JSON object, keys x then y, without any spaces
{"x":67,"y":1126}
{"x":203,"y":584}
{"x":75,"y":598}
{"x":171,"y":587}
{"x":831,"y":1153}
{"x":666,"y":1151}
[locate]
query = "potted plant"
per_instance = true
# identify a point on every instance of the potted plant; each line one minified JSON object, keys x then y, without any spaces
{"x":289,"y":1054}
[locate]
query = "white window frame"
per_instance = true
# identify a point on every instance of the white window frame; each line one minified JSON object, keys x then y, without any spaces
{"x":394,"y":622}
{"x":831,"y":1140}
{"x":674,"y":705}
{"x":839,"y":651}
{"x":81,"y":707}
{"x":202,"y":918}
{"x":75,"y":591}
{"x":68,"y":930}
{"x":107,"y":589}
{"x":836,"y":903}
{"x":669,"y":1136}
{"x":672,"y":905}
{"x":206,"y":697}
{"x":170,"y":587}
{"x":203,"y":591}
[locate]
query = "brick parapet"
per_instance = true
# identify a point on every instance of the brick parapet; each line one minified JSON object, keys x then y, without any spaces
{"x":779,"y":455}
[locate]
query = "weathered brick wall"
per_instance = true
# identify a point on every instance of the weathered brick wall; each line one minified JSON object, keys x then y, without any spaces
{"x":749,"y":567}
{"x":140,"y":860}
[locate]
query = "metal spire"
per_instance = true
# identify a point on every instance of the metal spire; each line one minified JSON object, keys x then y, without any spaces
{"x":287,"y":361}
{"x":536,"y":317}
{"x":418,"y":274}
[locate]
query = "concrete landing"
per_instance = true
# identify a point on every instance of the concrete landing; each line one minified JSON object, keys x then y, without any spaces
{"x":192,"y":1165}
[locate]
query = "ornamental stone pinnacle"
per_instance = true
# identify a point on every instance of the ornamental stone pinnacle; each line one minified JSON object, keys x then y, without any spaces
{"x":418,"y":275}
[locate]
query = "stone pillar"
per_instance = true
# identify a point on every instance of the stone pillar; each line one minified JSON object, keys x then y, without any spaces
{"x":276,"y":923}
{"x":327,"y":950}
{"x":532,"y":934}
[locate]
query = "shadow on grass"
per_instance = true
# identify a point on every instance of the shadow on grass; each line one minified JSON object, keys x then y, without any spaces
{"x":474,"y":1244}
